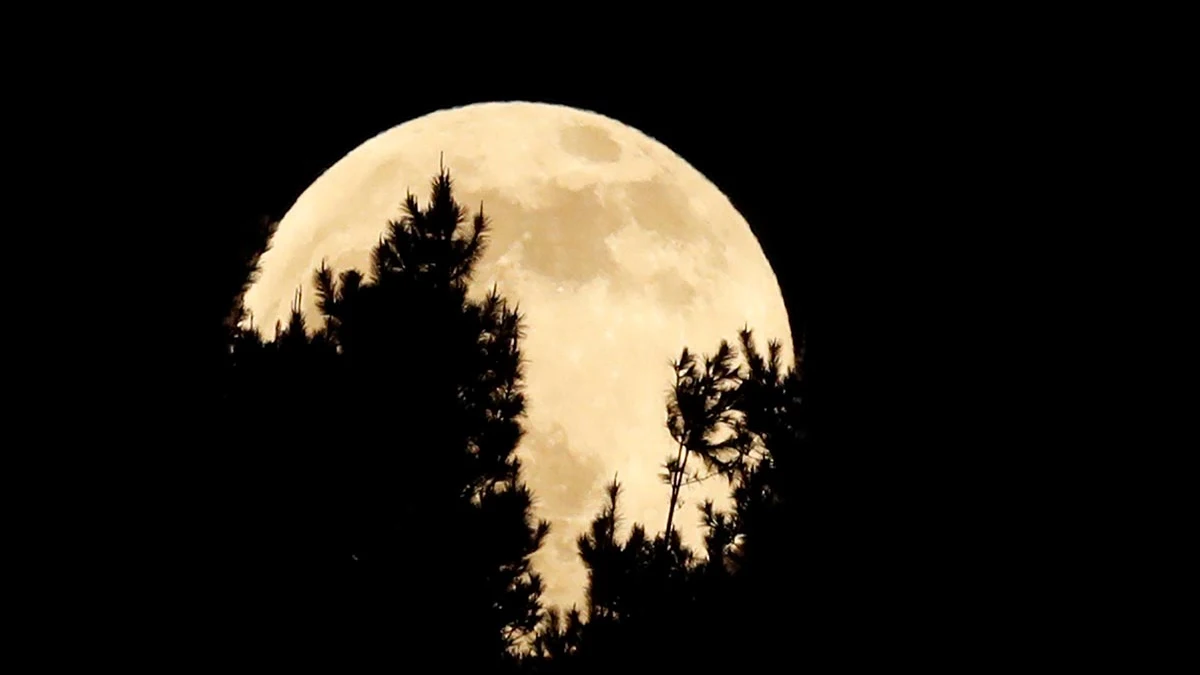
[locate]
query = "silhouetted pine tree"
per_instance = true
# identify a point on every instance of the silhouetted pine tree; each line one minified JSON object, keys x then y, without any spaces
{"x":654,"y":599}
{"x":771,"y":402}
{"x":429,"y":506}
{"x":756,"y":548}
{"x":703,"y":419}
{"x":371,"y":467}
{"x":641,"y":604}
{"x":270,"y":457}
{"x":244,"y":269}
{"x":555,"y":646}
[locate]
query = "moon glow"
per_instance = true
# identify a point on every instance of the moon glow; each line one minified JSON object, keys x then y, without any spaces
{"x":617,"y":252}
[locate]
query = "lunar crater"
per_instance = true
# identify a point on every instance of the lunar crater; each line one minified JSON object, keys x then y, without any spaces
{"x":561,"y":237}
{"x":567,"y":474}
{"x":567,"y":481}
{"x":661,"y":206}
{"x":672,"y":291}
{"x":591,"y":143}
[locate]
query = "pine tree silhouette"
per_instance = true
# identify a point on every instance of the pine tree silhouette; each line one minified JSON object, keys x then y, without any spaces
{"x":742,"y":414}
{"x":640,"y":602}
{"x":753,"y":549}
{"x":703,"y":419}
{"x":403,"y":413}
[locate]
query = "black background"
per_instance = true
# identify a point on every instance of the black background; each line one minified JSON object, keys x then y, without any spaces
{"x":887,"y":167}
{"x":849,"y":171}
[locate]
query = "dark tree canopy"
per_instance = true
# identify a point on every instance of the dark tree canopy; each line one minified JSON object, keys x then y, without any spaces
{"x":732,"y":608}
{"x":373,"y":471}
{"x":397,"y":422}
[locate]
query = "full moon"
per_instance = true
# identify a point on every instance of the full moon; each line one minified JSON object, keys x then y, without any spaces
{"x":618,"y":253}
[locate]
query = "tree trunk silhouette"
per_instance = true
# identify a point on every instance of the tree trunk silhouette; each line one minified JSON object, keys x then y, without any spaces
{"x":676,"y":484}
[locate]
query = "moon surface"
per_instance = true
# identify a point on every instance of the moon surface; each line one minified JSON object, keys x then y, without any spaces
{"x":617,"y":251}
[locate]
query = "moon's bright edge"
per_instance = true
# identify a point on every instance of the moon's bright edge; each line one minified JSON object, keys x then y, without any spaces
{"x":618,"y":252}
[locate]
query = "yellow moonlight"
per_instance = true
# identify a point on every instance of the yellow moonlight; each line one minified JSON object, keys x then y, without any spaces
{"x":619,"y":254}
